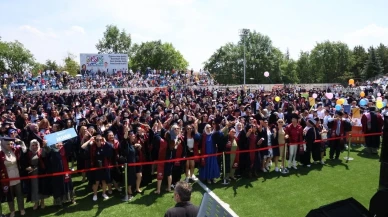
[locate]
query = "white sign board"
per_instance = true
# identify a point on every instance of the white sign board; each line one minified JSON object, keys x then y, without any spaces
{"x":108,"y":63}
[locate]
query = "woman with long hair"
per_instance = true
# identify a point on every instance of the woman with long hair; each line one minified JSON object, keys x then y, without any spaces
{"x":280,"y":136}
{"x":316,"y":148}
{"x":100,"y":152}
{"x":253,"y":158}
{"x":44,"y":127}
{"x":267,"y":139}
{"x":82,"y":156}
{"x":190,"y":147}
{"x":128,"y":151}
{"x":115,"y":173}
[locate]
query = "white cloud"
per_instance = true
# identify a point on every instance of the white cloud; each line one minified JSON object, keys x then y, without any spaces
{"x":36,"y":32}
{"x":75,"y":30}
{"x":138,"y":38}
{"x":367,"y":36}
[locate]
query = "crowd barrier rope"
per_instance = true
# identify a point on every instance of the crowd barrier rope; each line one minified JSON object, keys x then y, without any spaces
{"x":182,"y":159}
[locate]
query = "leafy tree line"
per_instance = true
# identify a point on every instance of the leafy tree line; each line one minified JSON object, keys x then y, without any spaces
{"x":327,"y":62}
{"x":15,"y":58}
{"x":152,"y":54}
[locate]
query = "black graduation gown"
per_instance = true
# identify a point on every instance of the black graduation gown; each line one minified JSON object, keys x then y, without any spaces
{"x":128,"y":152}
{"x":60,"y":187}
{"x":309,"y":138}
{"x":243,"y":144}
{"x":101,"y":156}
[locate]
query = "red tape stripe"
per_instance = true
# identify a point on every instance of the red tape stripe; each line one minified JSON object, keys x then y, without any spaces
{"x":181,"y":159}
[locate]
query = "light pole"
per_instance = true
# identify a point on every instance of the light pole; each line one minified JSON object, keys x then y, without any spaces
{"x":244,"y":33}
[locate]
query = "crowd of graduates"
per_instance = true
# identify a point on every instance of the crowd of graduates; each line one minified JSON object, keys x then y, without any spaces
{"x":114,"y":128}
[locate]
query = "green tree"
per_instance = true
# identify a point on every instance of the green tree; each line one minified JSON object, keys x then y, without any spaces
{"x":51,"y":65}
{"x":224,"y":66}
{"x":37,"y":68}
{"x":373,"y":66}
{"x":261,"y":56}
{"x":330,"y":60}
{"x":289,"y":71}
{"x":71,"y":65}
{"x":157,"y":55}
{"x":359,"y":56}
{"x":114,"y":41}
{"x":2,"y":61}
{"x":303,"y":68}
{"x":15,"y":57}
{"x":382,"y":51}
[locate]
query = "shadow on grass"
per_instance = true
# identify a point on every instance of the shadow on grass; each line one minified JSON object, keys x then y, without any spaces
{"x":339,"y":162}
{"x":87,"y":204}
{"x":368,"y":155}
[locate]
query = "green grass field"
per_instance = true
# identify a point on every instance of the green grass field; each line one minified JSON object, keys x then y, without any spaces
{"x":272,"y":194}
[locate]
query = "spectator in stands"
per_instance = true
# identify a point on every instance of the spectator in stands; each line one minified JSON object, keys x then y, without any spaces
{"x":183,"y":207}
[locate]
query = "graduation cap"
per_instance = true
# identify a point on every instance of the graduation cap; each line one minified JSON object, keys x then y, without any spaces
{"x":59,"y":123}
{"x":295,"y":116}
{"x":339,"y":113}
{"x":12,"y":130}
{"x":66,"y":120}
{"x":94,"y":126}
{"x":312,"y":121}
{"x":8,"y":139}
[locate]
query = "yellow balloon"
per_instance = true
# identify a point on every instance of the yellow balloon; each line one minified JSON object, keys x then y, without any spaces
{"x":277,"y":99}
{"x":351,"y":81}
{"x":362,"y":94}
{"x":379,"y":104}
{"x":339,"y":102}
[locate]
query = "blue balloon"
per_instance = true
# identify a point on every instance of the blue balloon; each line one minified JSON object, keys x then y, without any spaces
{"x":384,"y":104}
{"x":363,"y":102}
{"x":338,"y":107}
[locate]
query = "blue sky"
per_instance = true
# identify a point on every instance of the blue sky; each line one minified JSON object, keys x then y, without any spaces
{"x":197,"y":28}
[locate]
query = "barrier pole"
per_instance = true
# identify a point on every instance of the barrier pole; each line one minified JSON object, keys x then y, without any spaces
{"x":284,"y":170}
{"x":126,"y":182}
{"x":223,"y":165}
{"x":347,"y":158}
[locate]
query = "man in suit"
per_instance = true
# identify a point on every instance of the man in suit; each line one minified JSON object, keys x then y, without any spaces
{"x":183,"y":207}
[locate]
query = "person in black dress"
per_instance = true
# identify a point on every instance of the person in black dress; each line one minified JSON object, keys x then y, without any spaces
{"x":100,"y":153}
{"x":128,"y":149}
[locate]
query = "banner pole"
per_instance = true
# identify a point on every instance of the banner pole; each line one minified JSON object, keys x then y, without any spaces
{"x":126,"y":182}
{"x":224,"y":166}
{"x":347,"y":158}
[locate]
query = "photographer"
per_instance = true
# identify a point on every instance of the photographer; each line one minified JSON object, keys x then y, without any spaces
{"x":183,"y":207}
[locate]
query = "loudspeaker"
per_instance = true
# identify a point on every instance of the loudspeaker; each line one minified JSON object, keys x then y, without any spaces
{"x":378,"y":204}
{"x":349,"y":208}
